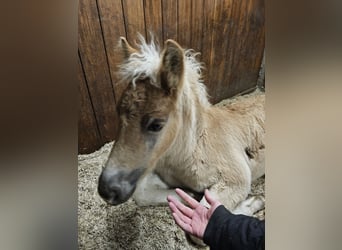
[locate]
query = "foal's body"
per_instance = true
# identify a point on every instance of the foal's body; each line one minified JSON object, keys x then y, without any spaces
{"x":219,"y":148}
{"x":171,"y":136}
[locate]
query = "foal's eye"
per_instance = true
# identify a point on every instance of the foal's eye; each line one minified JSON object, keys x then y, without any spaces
{"x":155,"y":126}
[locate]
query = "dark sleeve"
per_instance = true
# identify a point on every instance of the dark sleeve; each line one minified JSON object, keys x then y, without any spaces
{"x":234,"y":232}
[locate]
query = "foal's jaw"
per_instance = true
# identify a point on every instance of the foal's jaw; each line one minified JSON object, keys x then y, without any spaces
{"x":116,"y":185}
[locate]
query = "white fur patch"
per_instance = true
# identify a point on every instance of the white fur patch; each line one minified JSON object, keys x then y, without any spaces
{"x":146,"y":63}
{"x":142,"y":64}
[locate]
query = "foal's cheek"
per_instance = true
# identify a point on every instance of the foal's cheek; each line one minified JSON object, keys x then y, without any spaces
{"x":151,"y":141}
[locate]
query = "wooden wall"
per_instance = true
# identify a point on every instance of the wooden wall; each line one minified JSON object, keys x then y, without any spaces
{"x":229,"y":34}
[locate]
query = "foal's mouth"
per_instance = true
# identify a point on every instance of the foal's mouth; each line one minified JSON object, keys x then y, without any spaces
{"x":117,"y":200}
{"x":116,"y":196}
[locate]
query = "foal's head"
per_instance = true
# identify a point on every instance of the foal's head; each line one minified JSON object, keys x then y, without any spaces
{"x":148,"y":116}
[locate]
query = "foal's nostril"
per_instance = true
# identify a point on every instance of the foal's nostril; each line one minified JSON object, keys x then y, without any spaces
{"x":108,"y":191}
{"x":114,"y":193}
{"x":115,"y":186}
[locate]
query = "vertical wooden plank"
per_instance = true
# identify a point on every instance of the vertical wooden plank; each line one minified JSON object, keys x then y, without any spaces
{"x":184,"y":23}
{"x":197,"y":16}
{"x":216,"y":49}
{"x":88,"y":134}
{"x":153,"y":20}
{"x":113,"y":26}
{"x":93,"y":56}
{"x":249,"y":45}
{"x":134,"y":19}
{"x":222,"y":39}
{"x":170,"y":16}
{"x":236,"y":40}
{"x":208,"y":24}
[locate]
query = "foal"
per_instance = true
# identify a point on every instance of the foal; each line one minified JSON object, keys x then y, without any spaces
{"x":171,"y":136}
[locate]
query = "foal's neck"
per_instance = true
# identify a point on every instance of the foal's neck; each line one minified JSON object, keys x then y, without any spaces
{"x":193,"y":104}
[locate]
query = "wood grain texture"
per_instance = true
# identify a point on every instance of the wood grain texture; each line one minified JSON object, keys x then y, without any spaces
{"x":197,"y":16}
{"x":184,"y":23}
{"x":113,"y":26}
{"x":245,"y":50}
{"x":219,"y":46}
{"x":88,"y":134}
{"x":94,"y":59}
{"x":236,"y":47}
{"x":170,"y":18}
{"x":229,"y":34}
{"x":134,"y":19}
{"x":154,"y":20}
{"x":207,"y":40}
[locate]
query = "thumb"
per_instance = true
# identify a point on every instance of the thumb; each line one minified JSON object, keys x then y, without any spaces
{"x":209,"y":197}
{"x":212,"y":202}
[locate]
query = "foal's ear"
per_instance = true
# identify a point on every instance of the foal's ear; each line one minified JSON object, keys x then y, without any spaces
{"x":172,"y":67}
{"x":126,"y":49}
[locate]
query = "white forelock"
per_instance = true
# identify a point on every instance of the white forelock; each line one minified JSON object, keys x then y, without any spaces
{"x":146,"y":63}
{"x":143,"y":63}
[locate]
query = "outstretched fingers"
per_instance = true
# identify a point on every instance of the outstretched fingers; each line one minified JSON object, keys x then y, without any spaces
{"x":185,"y":226}
{"x":179,"y":213}
{"x":191,"y":201}
{"x":180,"y":207}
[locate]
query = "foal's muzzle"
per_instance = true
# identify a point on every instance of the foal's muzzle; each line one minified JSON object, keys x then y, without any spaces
{"x":117,"y":185}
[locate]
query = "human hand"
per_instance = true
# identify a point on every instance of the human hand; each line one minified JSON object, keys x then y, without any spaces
{"x":193,"y":219}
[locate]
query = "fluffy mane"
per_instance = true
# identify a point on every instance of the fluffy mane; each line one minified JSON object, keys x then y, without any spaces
{"x":143,"y":63}
{"x":146,"y":63}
